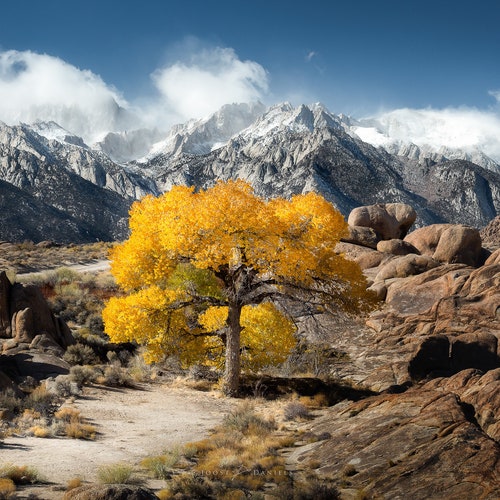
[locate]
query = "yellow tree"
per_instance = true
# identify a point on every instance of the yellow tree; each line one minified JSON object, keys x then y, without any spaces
{"x":202,"y":273}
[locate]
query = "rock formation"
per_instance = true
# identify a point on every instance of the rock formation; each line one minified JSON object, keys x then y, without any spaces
{"x":25,"y":318}
{"x":432,"y":351}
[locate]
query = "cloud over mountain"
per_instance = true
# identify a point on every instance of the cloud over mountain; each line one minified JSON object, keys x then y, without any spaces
{"x":42,"y":87}
{"x":462,"y":128}
{"x":204,"y":81}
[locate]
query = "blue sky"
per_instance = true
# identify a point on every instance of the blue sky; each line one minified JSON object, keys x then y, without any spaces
{"x":357,"y":57}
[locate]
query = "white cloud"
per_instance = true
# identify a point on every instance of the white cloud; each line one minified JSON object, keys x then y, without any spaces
{"x":209,"y":79}
{"x":468,"y":129}
{"x":42,"y":87}
{"x":310,"y":55}
{"x":495,"y":94}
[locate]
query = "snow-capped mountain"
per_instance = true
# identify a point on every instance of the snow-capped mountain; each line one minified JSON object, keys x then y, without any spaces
{"x":281,"y":150}
{"x":198,"y":137}
{"x":419,"y":138}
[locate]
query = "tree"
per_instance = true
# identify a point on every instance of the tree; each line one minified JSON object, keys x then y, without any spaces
{"x":203,"y":273}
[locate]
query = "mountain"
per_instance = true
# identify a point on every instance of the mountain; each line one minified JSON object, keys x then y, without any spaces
{"x":291,"y":150}
{"x":282,"y":150}
{"x":412,"y":136}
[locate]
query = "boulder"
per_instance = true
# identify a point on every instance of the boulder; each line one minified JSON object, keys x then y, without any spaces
{"x":388,"y":220}
{"x":449,"y":243}
{"x":24,"y":314}
{"x":364,"y":236}
{"x":396,"y":247}
{"x":34,"y":364}
{"x":407,"y":265}
{"x":23,"y":327}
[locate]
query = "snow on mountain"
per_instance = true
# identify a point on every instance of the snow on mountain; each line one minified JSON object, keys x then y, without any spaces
{"x":123,"y":147}
{"x":199,"y":137}
{"x":425,"y":135}
{"x":54,"y":132}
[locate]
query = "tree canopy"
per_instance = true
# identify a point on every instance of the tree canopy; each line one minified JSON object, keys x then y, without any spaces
{"x":202,"y":272}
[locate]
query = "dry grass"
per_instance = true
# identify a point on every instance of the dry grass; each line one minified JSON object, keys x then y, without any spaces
{"x":119,"y":473}
{"x":76,"y":482}
{"x":20,"y":474}
{"x":74,"y":425}
{"x":7,"y":488}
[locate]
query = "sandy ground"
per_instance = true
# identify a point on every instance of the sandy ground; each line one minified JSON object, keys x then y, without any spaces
{"x":131,"y":424}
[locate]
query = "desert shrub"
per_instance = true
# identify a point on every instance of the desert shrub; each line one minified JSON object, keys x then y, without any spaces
{"x":42,"y":401}
{"x":139,"y":370}
{"x":82,"y":375}
{"x":116,"y":376}
{"x":10,"y":401}
{"x":79,"y":430}
{"x":188,"y":486}
{"x":319,"y":400}
{"x":20,"y":474}
{"x":295,"y":410}
{"x":94,"y":323}
{"x":244,"y":418}
{"x":73,"y":425}
{"x":161,"y":466}
{"x":66,"y":275}
{"x":119,"y":473}
{"x":67,"y":414}
{"x":7,"y":488}
{"x":76,"y":482}
{"x":40,"y":431}
{"x":80,"y":354}
{"x":349,"y":470}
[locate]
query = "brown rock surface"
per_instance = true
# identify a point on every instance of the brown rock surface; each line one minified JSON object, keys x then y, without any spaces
{"x":388,"y":220}
{"x":449,"y":243}
{"x":364,"y":236}
{"x":396,"y":247}
{"x":424,"y":443}
{"x":24,"y":314}
{"x":404,"y":266}
{"x":491,"y":234}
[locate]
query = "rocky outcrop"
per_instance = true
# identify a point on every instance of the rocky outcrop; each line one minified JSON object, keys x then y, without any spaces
{"x":449,"y":243}
{"x":439,"y":312}
{"x":490,"y":234}
{"x":437,"y":441}
{"x":388,"y":220}
{"x":26,"y":319}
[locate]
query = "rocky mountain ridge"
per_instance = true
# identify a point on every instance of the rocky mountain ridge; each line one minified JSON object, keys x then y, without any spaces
{"x":281,"y":150}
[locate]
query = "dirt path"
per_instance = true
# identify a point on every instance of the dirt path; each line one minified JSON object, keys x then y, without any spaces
{"x":132,"y":424}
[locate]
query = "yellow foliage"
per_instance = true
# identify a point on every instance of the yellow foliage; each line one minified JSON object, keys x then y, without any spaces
{"x":195,"y":261}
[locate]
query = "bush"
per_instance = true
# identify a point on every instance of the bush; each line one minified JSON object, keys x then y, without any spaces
{"x":119,"y":473}
{"x":295,"y":410}
{"x":80,"y":354}
{"x":189,"y":486}
{"x":82,"y":375}
{"x":116,"y":376}
{"x":244,"y":418}
{"x":10,"y":401}
{"x":41,"y":401}
{"x":161,"y":466}
{"x":20,"y":474}
{"x":7,"y":488}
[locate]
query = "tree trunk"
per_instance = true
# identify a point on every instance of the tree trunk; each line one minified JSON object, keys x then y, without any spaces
{"x":232,"y":369}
